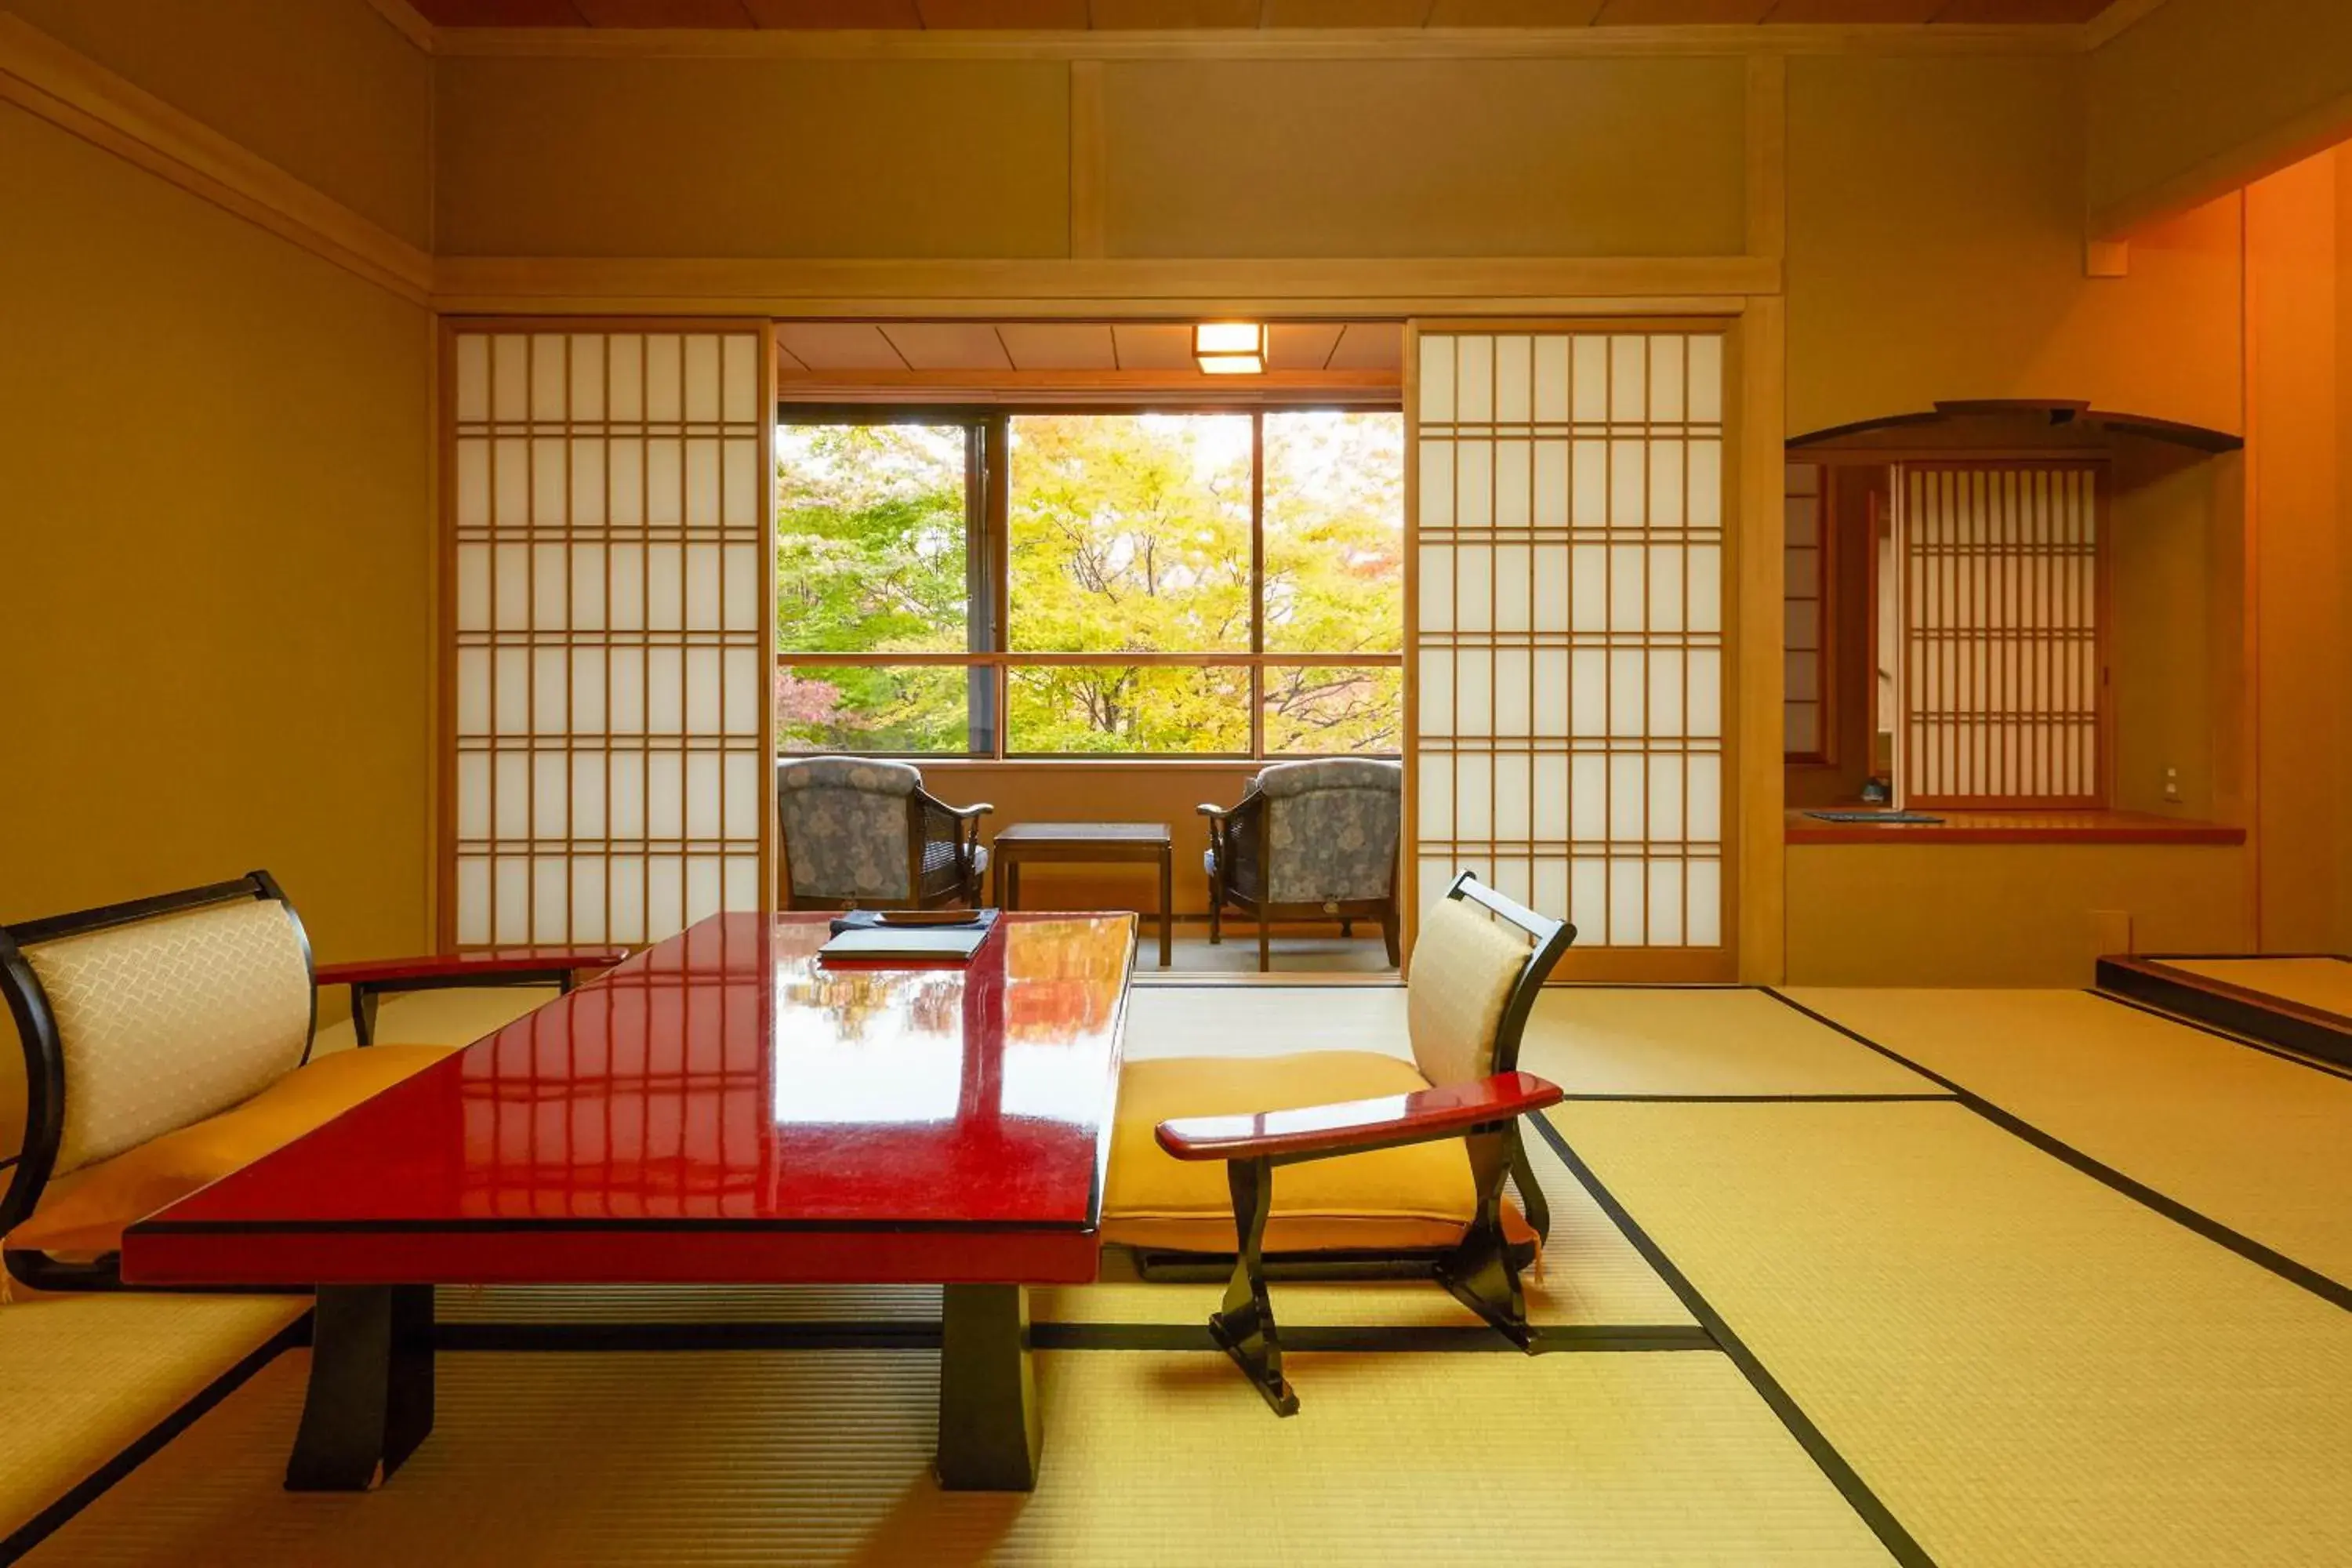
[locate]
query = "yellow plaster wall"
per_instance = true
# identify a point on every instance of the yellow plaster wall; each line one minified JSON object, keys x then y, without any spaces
{"x":2175,"y":625}
{"x":2343,"y":943}
{"x":1935,"y":251}
{"x":2296,"y":554}
{"x":752,"y":158}
{"x":1999,"y":914}
{"x":216,"y":556}
{"x":2200,"y":96}
{"x":1371,"y":158}
{"x":326,"y":89}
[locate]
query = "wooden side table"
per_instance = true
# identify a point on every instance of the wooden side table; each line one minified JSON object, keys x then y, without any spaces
{"x":1095,"y":843}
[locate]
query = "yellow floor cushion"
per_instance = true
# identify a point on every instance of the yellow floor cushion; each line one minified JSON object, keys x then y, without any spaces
{"x":1391,"y":1199}
{"x":83,"y":1213}
{"x":449,"y":1015}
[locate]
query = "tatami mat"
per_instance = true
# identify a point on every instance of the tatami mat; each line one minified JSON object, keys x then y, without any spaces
{"x":2245,"y":1138}
{"x":821,"y":1458}
{"x":2322,"y":982}
{"x":1590,"y":1275}
{"x":2026,"y":1366}
{"x":84,"y":1377}
{"x":1669,"y":1041}
{"x":1264,"y":1020}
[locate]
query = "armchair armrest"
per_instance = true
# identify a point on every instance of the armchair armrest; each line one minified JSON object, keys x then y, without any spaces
{"x":1355,"y":1126}
{"x":971,"y":812}
{"x":1206,"y":809}
{"x":489,"y":966}
{"x":371,"y":978}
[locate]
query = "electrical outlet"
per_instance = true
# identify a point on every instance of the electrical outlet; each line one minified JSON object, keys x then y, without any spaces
{"x":2172,"y":783}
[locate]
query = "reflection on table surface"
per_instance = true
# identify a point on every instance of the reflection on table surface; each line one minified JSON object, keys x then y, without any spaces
{"x":727,"y":1074}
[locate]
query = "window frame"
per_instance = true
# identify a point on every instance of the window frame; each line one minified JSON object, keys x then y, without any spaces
{"x":988,"y":576}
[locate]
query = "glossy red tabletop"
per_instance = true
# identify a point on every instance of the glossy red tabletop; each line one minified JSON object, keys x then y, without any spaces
{"x":721,"y":1108}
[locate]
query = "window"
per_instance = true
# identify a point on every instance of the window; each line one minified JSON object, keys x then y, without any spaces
{"x":1201,"y":584}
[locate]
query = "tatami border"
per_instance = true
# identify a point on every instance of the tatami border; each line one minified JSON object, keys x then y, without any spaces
{"x":2299,"y":1275}
{"x":1856,"y":1491}
{"x":93,"y":1486}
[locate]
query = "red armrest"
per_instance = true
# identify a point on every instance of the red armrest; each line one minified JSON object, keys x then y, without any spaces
{"x":1356,"y":1125}
{"x":489,"y":964}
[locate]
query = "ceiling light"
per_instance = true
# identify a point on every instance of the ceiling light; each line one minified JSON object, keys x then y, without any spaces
{"x":1230,"y":348}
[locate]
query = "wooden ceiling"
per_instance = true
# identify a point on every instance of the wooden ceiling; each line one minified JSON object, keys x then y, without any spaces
{"x":1183,"y":15}
{"x":1052,"y":347}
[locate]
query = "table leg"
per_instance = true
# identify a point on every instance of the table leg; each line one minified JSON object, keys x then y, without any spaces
{"x":371,"y":1397}
{"x":988,"y":1391}
{"x":1167,"y":906}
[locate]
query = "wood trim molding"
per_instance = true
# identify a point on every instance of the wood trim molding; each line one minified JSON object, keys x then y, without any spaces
{"x":1300,"y":44}
{"x":75,"y":94}
{"x":408,"y":21}
{"x":1125,"y":290}
{"x":1757,"y":799}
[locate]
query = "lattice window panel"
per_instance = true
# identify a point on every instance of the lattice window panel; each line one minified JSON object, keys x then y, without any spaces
{"x":608,"y":684}
{"x":1567,"y":739}
{"x":2003,"y":678}
{"x":1805,"y":611}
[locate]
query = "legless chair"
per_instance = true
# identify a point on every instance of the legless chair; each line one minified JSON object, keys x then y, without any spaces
{"x":1391,"y":1156}
{"x":167,"y":1043}
{"x":860,"y":832}
{"x":1309,"y":841}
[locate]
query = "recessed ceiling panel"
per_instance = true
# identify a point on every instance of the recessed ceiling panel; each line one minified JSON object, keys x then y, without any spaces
{"x":1514,"y":12}
{"x":1028,"y":16}
{"x":1301,"y":346}
{"x":1801,"y":13}
{"x":1670,"y":13}
{"x":1997,"y":12}
{"x":1153,"y":345}
{"x":1059,"y":345}
{"x":500,"y":13}
{"x":1174,"y":15}
{"x":1344,"y":13}
{"x":948,"y":345}
{"x":838,"y":346}
{"x":711,"y":14}
{"x":829,"y":14}
{"x":1369,"y":345}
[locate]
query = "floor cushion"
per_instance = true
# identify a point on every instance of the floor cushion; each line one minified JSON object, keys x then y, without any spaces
{"x":1389,"y":1200}
{"x":84,"y":1212}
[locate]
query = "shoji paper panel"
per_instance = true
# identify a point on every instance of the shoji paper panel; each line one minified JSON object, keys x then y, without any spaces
{"x":1566,"y":742}
{"x":609,"y":658}
{"x":2003,"y":681}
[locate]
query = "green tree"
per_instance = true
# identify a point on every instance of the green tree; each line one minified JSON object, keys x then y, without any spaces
{"x":1128,"y":534}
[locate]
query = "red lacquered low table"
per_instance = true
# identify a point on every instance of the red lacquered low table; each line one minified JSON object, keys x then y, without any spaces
{"x":722,"y":1108}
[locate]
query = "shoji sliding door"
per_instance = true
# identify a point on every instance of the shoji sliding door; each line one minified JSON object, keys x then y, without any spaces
{"x":1565,"y":717}
{"x":607,"y":610}
{"x":2004,"y":677}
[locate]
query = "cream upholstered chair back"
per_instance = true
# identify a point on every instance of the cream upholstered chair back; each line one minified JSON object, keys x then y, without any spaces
{"x":165,"y":1021}
{"x":1466,"y":967}
{"x":845,"y":822}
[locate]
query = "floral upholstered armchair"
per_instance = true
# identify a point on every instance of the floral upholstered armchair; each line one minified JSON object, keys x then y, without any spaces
{"x":1309,"y":841}
{"x":864,"y":834}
